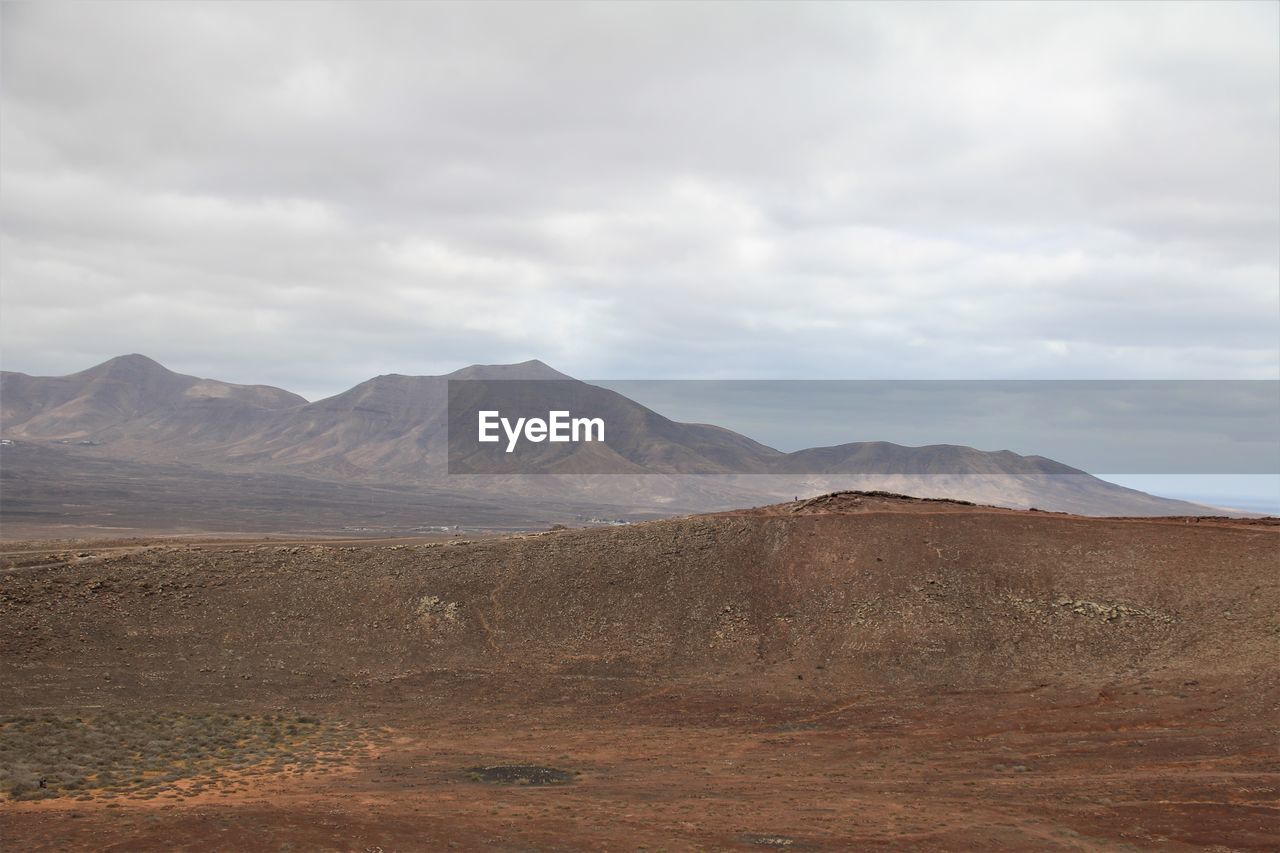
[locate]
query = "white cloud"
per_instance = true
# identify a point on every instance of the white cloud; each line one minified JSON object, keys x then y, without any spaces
{"x":309,"y":194}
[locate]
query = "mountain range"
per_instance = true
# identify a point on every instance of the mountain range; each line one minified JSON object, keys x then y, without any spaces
{"x":392,"y":431}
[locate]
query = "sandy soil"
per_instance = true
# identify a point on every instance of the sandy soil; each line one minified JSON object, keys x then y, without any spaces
{"x":878,"y":675}
{"x":1148,"y":765}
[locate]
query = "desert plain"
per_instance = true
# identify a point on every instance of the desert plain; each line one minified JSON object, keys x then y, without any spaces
{"x":856,"y":671}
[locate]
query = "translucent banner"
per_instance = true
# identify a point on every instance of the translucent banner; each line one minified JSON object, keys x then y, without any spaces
{"x":864,"y":427}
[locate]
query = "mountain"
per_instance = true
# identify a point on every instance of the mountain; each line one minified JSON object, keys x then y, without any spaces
{"x":393,"y":432}
{"x":392,"y":427}
{"x":128,"y":397}
{"x":640,"y":441}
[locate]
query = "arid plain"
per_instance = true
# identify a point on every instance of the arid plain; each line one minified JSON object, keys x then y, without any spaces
{"x":857,"y":671}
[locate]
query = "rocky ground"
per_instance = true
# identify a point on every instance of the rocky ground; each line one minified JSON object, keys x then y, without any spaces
{"x":857,"y":672}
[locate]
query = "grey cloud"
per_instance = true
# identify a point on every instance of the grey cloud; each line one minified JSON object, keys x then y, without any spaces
{"x":311,"y":193}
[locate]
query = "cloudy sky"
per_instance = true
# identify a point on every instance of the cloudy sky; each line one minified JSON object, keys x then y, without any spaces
{"x":311,"y":194}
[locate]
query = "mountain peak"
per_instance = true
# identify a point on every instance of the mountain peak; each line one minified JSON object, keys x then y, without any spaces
{"x":132,"y":364}
{"x":531,"y":369}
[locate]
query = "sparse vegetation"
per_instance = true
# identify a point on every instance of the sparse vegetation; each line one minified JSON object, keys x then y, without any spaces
{"x":958,"y":663}
{"x":143,"y":754}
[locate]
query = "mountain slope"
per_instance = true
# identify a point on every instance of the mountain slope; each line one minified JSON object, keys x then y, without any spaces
{"x":128,"y":396}
{"x":394,"y":430}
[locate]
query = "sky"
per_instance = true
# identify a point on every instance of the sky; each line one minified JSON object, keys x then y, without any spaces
{"x":308,"y":195}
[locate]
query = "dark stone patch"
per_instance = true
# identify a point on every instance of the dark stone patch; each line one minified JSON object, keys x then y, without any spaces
{"x":774,"y":841}
{"x":520,"y":774}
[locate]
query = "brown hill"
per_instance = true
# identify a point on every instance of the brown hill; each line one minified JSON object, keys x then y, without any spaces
{"x":858,"y":671}
{"x":852,"y":589}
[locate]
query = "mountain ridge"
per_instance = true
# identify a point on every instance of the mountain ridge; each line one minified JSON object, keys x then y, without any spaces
{"x":392,"y":429}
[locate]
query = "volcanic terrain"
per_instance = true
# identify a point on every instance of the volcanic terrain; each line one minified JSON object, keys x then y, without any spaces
{"x":856,"y":671}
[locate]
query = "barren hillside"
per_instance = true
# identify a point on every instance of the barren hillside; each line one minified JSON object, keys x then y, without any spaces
{"x":868,"y":590}
{"x":858,"y":670}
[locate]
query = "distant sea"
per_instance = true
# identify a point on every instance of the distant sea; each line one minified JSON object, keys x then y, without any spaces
{"x":1248,"y":503}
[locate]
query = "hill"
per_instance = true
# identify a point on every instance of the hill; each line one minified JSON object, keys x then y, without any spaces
{"x":854,"y":671}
